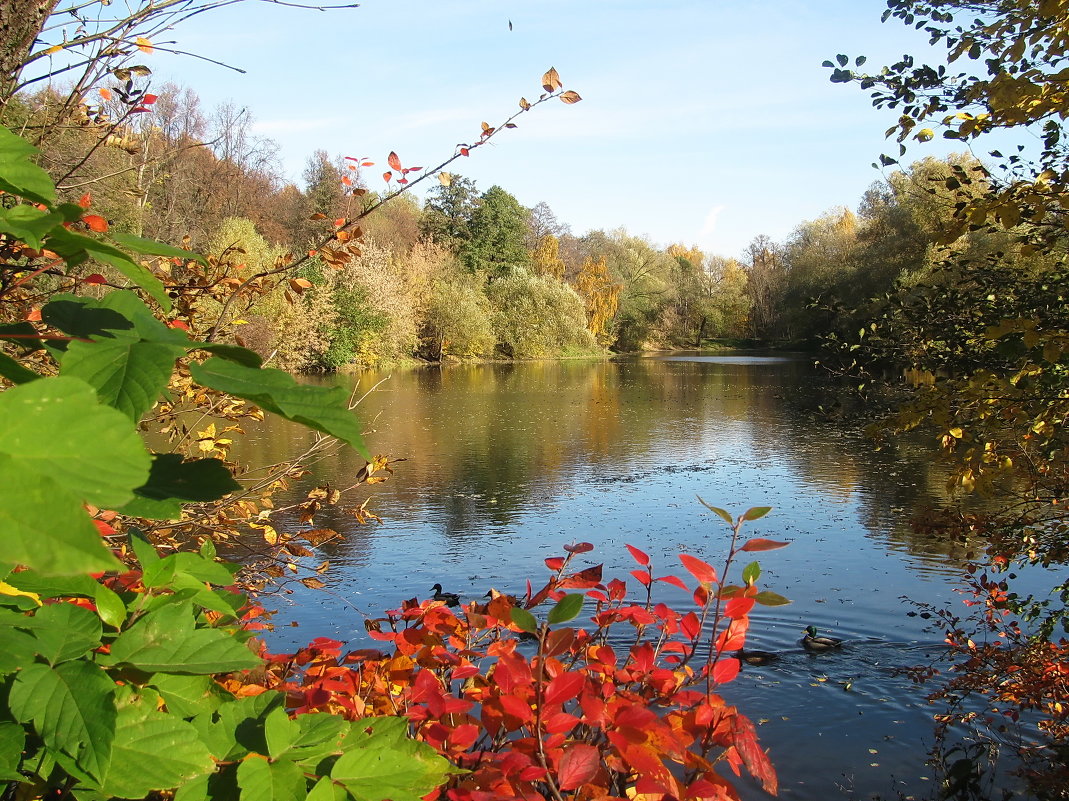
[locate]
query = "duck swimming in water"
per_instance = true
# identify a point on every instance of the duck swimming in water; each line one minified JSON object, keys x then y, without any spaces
{"x":757,"y":658}
{"x":450,"y":598}
{"x":818,"y":644}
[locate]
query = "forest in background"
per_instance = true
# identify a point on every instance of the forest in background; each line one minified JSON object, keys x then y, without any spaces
{"x":469,"y":273}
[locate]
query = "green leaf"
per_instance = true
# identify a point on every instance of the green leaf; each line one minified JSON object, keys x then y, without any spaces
{"x":72,"y":709}
{"x":165,"y":641}
{"x":64,"y":632}
{"x":524,"y":619}
{"x":150,"y":247}
{"x":234,"y":353}
{"x":756,"y":513}
{"x":81,"y":317}
{"x":60,"y":448}
{"x":769,"y":598}
{"x":127,"y":374}
{"x":194,"y":480}
{"x":17,"y":648}
{"x":28,"y":223}
{"x":723,"y":514}
{"x":381,"y":763}
{"x":110,"y":606}
{"x":567,"y":608}
{"x":15,"y":372}
{"x":751,"y":572}
{"x":325,"y":409}
{"x":19,"y":175}
{"x":76,"y":249}
{"x":152,"y":750}
{"x":280,"y":732}
{"x":12,"y":741}
{"x":320,"y":736}
{"x":325,"y":790}
{"x":261,"y":780}
{"x":144,"y":550}
{"x":188,"y":696}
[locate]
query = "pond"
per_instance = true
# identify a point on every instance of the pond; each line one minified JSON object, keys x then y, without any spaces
{"x":505,"y":464}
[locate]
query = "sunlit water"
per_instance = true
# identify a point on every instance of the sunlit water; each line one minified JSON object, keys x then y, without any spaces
{"x":507,"y":463}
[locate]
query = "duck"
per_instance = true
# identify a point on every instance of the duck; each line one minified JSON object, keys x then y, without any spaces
{"x":818,"y":644}
{"x":757,"y":658}
{"x":512,"y":599}
{"x":450,"y":598}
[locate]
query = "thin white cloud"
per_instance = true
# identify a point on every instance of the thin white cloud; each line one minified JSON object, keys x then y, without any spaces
{"x":709,"y":226}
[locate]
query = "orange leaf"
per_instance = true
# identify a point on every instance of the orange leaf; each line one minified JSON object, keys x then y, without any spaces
{"x":386,"y":176}
{"x":143,"y":44}
{"x":345,"y":179}
{"x":96,"y":223}
{"x":86,"y":200}
{"x":579,"y":765}
{"x":570,"y":97}
{"x":393,"y":161}
{"x":760,"y":544}
{"x":105,"y":93}
{"x":551,"y":80}
{"x":702,"y":571}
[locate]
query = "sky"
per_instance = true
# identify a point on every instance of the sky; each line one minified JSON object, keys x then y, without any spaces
{"x":703,"y":122}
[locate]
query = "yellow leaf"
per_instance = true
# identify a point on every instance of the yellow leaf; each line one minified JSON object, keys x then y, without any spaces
{"x":143,"y":44}
{"x":7,"y":589}
{"x":445,"y":178}
{"x":956,"y":433}
{"x":570,"y":97}
{"x":239,"y":322}
{"x":53,"y":49}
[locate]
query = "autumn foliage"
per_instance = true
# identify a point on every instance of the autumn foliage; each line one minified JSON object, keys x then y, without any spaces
{"x":625,"y":706}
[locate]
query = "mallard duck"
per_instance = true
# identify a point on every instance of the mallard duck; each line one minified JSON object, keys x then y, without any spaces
{"x":450,"y":598}
{"x":818,"y":643}
{"x":756,"y":657}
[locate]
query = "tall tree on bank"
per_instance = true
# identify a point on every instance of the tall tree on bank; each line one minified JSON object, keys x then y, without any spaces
{"x":498,"y":232}
{"x":448,"y":211}
{"x":765,"y":278}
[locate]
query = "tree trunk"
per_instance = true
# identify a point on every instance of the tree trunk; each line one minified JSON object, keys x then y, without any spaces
{"x":20,"y":23}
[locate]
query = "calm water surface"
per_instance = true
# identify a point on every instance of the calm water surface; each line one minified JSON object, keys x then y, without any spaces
{"x":507,"y":463}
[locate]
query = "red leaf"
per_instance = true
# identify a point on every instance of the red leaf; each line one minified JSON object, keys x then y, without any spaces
{"x":759,"y":544}
{"x":104,"y":529}
{"x":755,"y":759}
{"x":96,"y":223}
{"x":414,"y":169}
{"x":463,"y":151}
{"x":178,"y":324}
{"x":643,"y":576}
{"x":675,"y":581}
{"x":739,"y":607}
{"x":725,"y":670}
{"x":564,"y":687}
{"x":640,"y":556}
{"x":702,"y":571}
{"x":691,"y":625}
{"x":579,"y":765}
{"x":96,"y":278}
{"x":579,"y":547}
{"x":86,"y":200}
{"x":350,"y":158}
{"x":555,"y":562}
{"x":393,"y":161}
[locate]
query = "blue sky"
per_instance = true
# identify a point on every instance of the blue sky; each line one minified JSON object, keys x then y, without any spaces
{"x":702,"y":122}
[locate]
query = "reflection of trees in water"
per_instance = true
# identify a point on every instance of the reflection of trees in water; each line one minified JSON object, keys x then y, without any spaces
{"x":485,"y":444}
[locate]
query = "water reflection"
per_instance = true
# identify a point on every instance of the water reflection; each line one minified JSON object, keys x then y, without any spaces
{"x":506,"y":463}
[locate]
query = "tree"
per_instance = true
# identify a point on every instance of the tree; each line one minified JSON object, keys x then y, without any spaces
{"x":765,"y":283}
{"x":448,"y":211}
{"x":546,"y":260}
{"x":984,"y":334}
{"x":498,"y":231}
